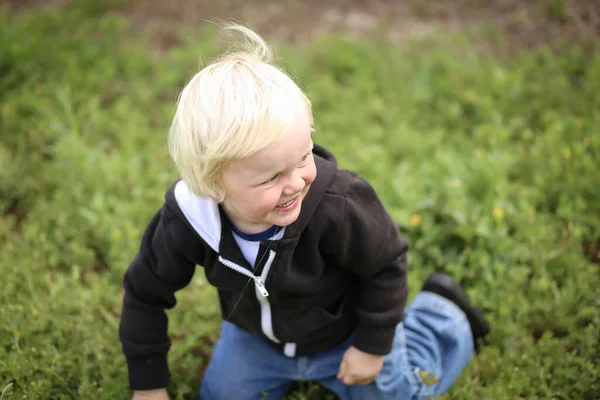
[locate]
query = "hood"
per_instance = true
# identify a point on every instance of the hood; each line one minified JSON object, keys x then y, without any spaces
{"x":326,"y":169}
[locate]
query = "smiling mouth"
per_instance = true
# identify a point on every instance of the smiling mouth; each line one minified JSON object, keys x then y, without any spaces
{"x":287,"y":203}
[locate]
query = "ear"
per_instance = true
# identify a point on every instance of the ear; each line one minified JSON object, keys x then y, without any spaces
{"x":218,"y":198}
{"x":217,"y":192}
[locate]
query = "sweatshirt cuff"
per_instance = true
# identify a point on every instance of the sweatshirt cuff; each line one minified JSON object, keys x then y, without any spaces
{"x":148,"y":373}
{"x":374,"y":339}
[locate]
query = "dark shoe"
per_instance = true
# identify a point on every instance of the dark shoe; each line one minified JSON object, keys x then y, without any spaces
{"x":445,"y":286}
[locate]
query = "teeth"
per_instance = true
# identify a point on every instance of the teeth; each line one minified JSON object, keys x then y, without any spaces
{"x":287,"y":203}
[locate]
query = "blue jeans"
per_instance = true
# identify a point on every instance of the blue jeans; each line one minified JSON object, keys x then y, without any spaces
{"x":431,"y":348}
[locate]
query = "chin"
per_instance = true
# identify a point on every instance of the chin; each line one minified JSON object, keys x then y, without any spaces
{"x":286,"y":220}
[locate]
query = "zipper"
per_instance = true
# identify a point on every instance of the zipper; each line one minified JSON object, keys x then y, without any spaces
{"x":261,"y":292}
{"x":258,"y":280}
{"x":266,"y":320}
{"x":265,"y":271}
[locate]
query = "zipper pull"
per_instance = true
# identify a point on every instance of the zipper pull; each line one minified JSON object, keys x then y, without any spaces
{"x":261,"y":287}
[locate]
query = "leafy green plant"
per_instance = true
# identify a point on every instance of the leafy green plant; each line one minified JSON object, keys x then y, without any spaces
{"x":488,"y":166}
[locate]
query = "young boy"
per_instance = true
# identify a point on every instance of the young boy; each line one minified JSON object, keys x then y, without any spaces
{"x":310,"y":268}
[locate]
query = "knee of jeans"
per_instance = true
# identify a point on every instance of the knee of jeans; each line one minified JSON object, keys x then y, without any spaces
{"x":401,"y":381}
{"x":393,"y":382}
{"x":395,"y":386}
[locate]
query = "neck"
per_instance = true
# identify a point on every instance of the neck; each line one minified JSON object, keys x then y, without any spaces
{"x":241,"y":223}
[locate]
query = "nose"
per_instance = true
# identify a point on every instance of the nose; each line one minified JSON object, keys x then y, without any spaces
{"x":295,"y":184}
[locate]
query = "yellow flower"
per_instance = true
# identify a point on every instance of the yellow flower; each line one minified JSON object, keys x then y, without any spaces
{"x":415,"y":221}
{"x":498,"y":213}
{"x":428,"y":378}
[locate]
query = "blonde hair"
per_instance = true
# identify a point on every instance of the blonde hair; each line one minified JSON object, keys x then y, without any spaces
{"x":231,"y":109}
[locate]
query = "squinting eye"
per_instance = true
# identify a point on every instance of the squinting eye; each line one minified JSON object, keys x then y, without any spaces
{"x":305,"y":158}
{"x":271,"y":179}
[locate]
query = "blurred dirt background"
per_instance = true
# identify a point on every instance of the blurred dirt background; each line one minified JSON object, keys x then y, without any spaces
{"x":524,"y":24}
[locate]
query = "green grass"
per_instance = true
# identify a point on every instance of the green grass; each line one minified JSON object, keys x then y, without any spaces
{"x":490,"y":167}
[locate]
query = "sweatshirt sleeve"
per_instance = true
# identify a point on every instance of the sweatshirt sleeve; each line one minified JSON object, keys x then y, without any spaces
{"x":158,"y":270}
{"x":373,"y":248}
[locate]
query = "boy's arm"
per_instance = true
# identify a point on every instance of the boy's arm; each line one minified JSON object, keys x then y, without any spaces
{"x":158,"y":270}
{"x":371,"y":246}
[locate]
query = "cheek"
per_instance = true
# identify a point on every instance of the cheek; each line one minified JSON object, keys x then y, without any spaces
{"x":270,"y":199}
{"x":310,"y":173}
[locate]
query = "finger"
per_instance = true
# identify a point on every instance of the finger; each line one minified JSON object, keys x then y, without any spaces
{"x":355,"y":380}
{"x":348,"y":380}
{"x":342,"y":372}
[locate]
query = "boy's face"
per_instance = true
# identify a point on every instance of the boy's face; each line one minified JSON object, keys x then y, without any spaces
{"x":268,"y":187}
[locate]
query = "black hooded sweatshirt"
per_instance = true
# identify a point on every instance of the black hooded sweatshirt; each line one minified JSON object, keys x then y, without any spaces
{"x":340,"y":269}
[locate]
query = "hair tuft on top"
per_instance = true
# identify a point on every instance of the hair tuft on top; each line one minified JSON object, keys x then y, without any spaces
{"x":253,"y":43}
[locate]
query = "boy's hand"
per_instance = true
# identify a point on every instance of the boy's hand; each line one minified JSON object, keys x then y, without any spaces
{"x":157,"y":394}
{"x":358,"y":367}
